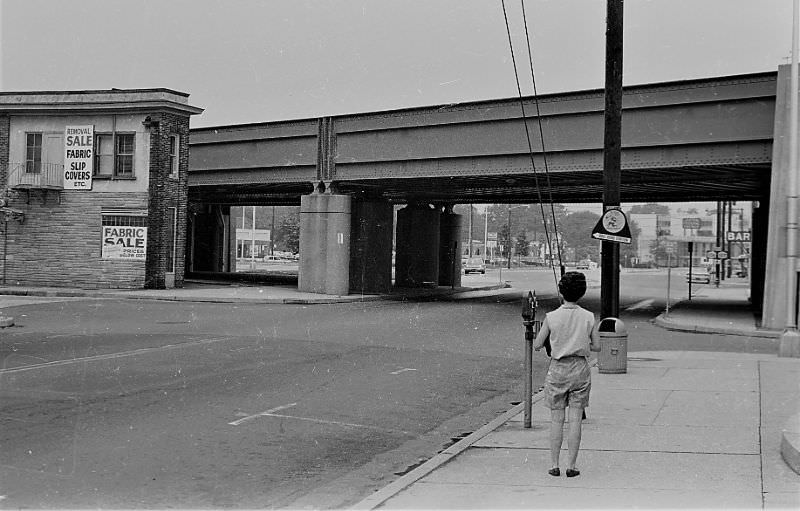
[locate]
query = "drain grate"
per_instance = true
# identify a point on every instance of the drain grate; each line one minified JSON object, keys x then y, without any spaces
{"x":644,"y":359}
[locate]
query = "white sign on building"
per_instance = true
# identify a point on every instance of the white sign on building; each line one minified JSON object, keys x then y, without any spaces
{"x":78,"y":157}
{"x":124,"y":242}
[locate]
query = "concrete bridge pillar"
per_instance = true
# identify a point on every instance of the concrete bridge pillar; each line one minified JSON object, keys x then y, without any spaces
{"x":758,"y":254}
{"x":450,"y":225}
{"x":371,"y":246}
{"x":210,"y":232}
{"x":325,"y":243}
{"x":778,"y":283}
{"x":417,"y":245}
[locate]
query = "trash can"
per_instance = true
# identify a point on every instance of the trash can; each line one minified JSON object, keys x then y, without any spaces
{"x":613,"y":356}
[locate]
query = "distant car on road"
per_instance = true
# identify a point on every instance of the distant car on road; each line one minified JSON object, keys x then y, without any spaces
{"x":586,"y":265}
{"x":699,"y":275}
{"x":474,"y":264}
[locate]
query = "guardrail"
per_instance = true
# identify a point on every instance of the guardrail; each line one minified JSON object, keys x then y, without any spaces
{"x":49,"y":176}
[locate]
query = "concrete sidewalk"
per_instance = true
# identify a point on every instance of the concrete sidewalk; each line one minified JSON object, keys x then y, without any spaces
{"x":678,"y":430}
{"x":722,"y":310}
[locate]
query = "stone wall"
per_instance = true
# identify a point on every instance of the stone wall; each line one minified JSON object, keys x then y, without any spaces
{"x":59,"y":244}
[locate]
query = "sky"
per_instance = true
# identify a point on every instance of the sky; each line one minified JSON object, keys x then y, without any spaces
{"x":247,"y":61}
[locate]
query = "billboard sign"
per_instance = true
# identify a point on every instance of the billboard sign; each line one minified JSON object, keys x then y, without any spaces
{"x":124,"y":242}
{"x":78,"y":157}
{"x":691,"y":223}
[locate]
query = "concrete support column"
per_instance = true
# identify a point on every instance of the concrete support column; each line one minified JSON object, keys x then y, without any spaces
{"x":778,"y":282}
{"x":325,"y":244}
{"x":371,"y":246}
{"x":758,"y":254}
{"x":417,"y":244}
{"x":450,"y":225}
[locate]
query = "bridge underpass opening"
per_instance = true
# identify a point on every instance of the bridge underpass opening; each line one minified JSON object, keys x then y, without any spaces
{"x":263,"y":241}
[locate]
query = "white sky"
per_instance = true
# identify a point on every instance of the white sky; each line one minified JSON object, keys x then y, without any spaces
{"x":263,"y":60}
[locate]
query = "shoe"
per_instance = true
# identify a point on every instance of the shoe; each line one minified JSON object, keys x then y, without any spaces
{"x":573,"y":472}
{"x":554,"y":472}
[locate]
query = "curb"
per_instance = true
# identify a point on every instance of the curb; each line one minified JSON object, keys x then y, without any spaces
{"x":790,"y":443}
{"x":665,"y":323}
{"x":146,"y":295}
{"x":392,"y":489}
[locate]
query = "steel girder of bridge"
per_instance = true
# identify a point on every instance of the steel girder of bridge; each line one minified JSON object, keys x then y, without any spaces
{"x":708,"y":139}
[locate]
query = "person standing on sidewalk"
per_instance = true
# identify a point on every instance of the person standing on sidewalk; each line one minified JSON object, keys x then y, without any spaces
{"x":572,"y":335}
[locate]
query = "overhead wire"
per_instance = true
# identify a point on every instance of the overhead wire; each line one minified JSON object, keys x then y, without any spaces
{"x":530,"y":144}
{"x":541,"y":135}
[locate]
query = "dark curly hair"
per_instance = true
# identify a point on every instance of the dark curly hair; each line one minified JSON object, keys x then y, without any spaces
{"x":572,"y":286}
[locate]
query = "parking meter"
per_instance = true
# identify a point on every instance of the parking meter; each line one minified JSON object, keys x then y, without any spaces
{"x":529,"y":310}
{"x":529,"y":321}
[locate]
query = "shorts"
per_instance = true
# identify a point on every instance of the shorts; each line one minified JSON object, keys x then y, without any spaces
{"x":568,"y":382}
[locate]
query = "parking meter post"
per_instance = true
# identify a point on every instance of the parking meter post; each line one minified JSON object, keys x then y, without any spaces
{"x":528,"y":320}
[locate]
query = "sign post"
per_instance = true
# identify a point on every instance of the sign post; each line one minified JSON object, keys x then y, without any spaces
{"x":691,"y":263}
{"x":612,"y":155}
{"x":718,"y":255}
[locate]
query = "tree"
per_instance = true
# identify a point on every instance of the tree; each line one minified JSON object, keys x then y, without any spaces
{"x":659,"y":251}
{"x":289,"y":232}
{"x":522,"y":247}
{"x":504,"y":239}
{"x":576,"y":233}
{"x":649,"y":208}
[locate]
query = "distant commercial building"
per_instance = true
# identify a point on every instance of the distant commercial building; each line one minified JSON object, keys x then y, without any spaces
{"x":94,"y":188}
{"x":673,"y":232}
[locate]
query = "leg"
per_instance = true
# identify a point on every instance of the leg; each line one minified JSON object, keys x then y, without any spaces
{"x":574,"y":434}
{"x":556,"y":434}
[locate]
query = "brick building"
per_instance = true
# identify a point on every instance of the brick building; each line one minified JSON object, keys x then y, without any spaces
{"x":94,"y":188}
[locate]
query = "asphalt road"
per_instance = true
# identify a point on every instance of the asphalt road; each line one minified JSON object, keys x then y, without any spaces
{"x":145,"y":404}
{"x":140,"y":404}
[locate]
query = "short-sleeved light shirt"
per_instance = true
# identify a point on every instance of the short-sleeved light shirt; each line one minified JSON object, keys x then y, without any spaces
{"x":570,"y":331}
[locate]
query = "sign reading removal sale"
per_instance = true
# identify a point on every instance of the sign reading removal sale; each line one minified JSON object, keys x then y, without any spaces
{"x":78,"y":157}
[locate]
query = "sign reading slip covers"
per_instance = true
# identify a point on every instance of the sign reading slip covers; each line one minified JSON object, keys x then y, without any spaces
{"x":124,"y":242}
{"x":78,"y":157}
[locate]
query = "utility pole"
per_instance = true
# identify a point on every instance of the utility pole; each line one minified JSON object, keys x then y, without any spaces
{"x":612,"y":155}
{"x":470,"y":231}
{"x":508,"y":251}
{"x":253,"y":241}
{"x":272,"y":234}
{"x":728,"y":244}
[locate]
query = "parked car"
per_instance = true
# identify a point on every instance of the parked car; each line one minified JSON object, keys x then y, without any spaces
{"x":586,"y":265}
{"x":474,"y":264}
{"x":699,"y":275}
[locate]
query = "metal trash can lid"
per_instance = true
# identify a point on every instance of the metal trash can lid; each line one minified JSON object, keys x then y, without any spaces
{"x":612,"y":325}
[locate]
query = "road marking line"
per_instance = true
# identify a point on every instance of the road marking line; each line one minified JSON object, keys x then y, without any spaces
{"x":262,"y":414}
{"x":336,"y":423}
{"x":641,"y":305}
{"x":403,"y":370}
{"x":108,"y":356}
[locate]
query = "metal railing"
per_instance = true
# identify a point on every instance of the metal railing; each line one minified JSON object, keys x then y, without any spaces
{"x":47,"y":176}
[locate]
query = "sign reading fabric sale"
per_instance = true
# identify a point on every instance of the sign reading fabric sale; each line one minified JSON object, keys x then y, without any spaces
{"x":78,"y":157}
{"x":124,"y":242}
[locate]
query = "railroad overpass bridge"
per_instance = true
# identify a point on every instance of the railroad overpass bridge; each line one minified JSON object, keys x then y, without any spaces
{"x":697,"y":140}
